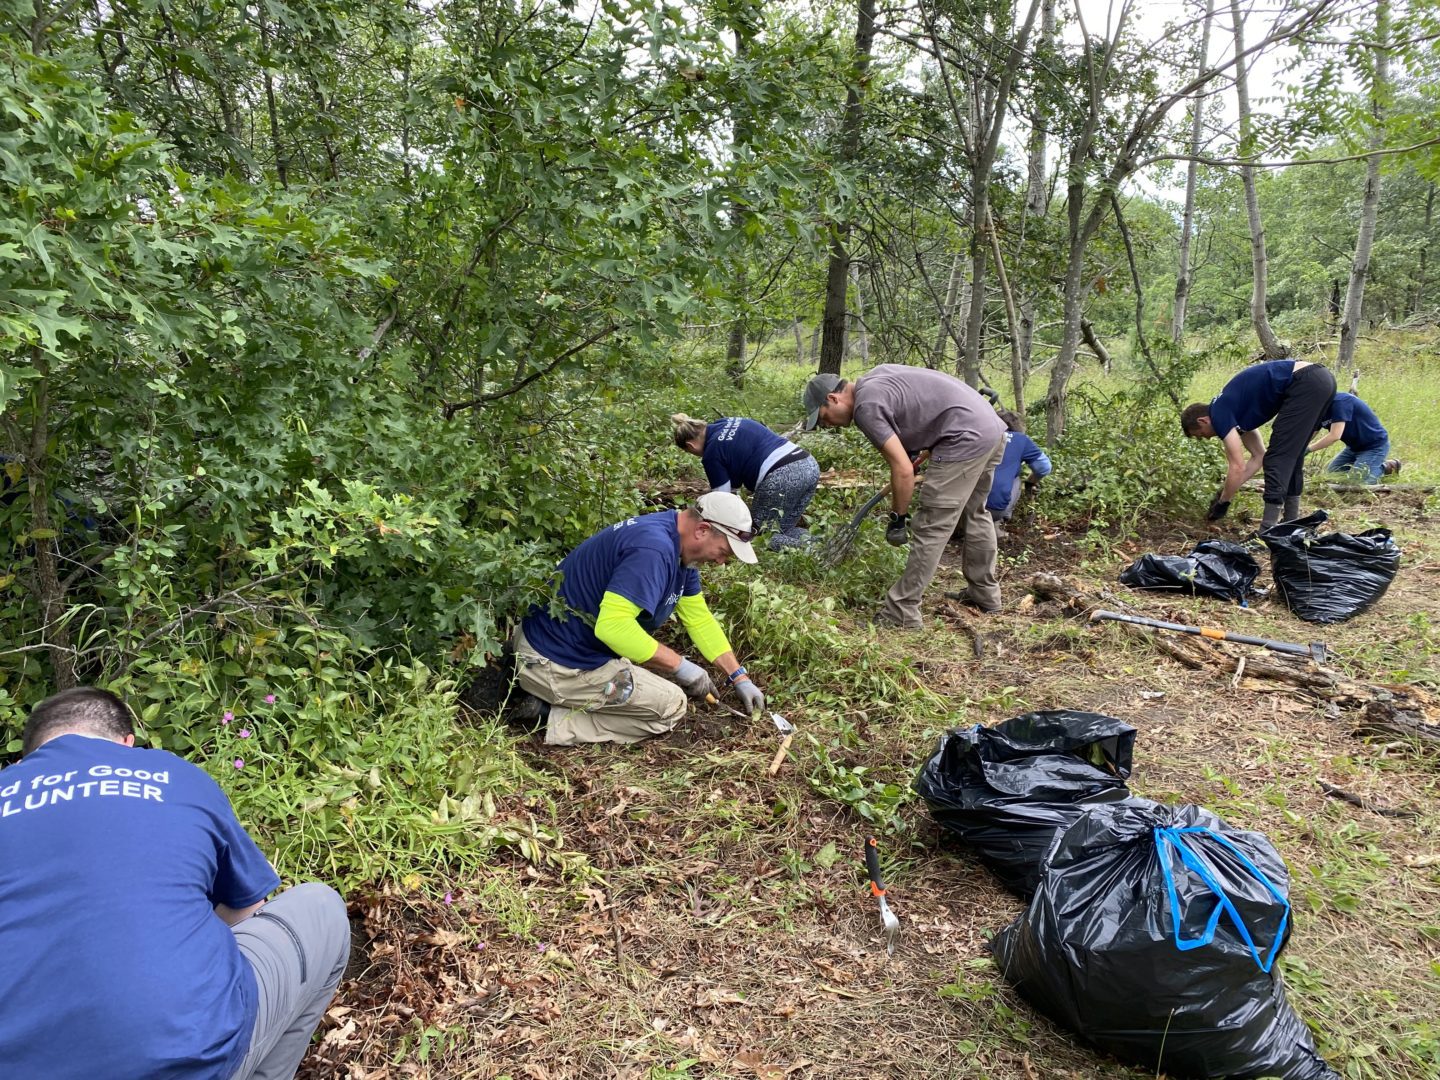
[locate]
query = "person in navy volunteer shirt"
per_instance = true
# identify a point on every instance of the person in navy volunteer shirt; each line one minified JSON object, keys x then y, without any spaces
{"x":1367,"y":443}
{"x":595,"y":673}
{"x":1293,"y":393}
{"x":1020,"y":450}
{"x":741,"y":453}
{"x":131,"y":922}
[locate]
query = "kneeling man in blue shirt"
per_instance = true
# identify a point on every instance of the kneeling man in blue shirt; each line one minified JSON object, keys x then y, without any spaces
{"x":1367,"y":443}
{"x":595,"y":672}
{"x":138,"y":943}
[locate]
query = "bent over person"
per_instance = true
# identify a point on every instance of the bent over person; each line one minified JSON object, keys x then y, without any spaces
{"x":595,"y":673}
{"x":138,"y":943}
{"x":738,"y":452}
{"x":1295,"y":394}
{"x":904,"y":412}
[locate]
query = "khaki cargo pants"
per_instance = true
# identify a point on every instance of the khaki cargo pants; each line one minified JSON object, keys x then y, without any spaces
{"x":577,"y":712}
{"x":953,"y":492}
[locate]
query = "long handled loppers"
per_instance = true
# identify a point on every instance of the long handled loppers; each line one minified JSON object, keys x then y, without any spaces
{"x":1315,"y":650}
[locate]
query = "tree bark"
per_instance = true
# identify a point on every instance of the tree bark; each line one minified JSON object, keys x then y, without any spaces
{"x":1259,"y":261}
{"x":1370,"y":205}
{"x":832,"y":324}
{"x":946,"y":333}
{"x":49,"y":591}
{"x":1017,"y":367}
{"x":861,"y":337}
{"x":1420,"y":273}
{"x":1192,"y":176}
{"x":1094,"y":344}
{"x":736,"y":345}
{"x":1036,"y":189}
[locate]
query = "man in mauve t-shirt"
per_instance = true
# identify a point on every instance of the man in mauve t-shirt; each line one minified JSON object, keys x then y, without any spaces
{"x":906,"y":412}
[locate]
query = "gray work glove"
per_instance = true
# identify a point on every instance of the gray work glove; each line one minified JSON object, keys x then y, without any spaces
{"x":897,"y":534}
{"x":693,"y":679}
{"x":750,"y":696}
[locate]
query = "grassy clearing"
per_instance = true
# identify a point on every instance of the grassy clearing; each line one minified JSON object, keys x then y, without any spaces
{"x":719,"y":927}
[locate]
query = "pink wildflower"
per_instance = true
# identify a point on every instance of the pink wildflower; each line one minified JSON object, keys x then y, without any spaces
{"x":239,"y":762}
{"x":269,"y":699}
{"x":244,"y":733}
{"x":227,"y":718}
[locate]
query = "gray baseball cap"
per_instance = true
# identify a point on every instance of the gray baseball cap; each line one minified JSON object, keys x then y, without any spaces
{"x":816,"y":391}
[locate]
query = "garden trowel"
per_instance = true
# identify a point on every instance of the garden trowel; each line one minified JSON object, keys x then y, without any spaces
{"x":889,"y":922}
{"x":783,"y":726}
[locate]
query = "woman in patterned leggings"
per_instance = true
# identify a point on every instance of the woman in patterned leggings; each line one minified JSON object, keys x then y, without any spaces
{"x":737,"y":453}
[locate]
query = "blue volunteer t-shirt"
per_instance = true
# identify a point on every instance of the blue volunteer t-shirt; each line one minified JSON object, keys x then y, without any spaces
{"x":1019,"y":449}
{"x":1363,"y":430}
{"x":112,"y":860}
{"x":1252,"y":398}
{"x":736,"y":449}
{"x":638,"y":559}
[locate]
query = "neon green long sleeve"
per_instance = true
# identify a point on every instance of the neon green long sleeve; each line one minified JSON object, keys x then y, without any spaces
{"x":700,"y":623}
{"x":619,"y":630}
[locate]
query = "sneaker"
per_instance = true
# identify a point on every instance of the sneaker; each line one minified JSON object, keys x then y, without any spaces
{"x":1391,"y":467}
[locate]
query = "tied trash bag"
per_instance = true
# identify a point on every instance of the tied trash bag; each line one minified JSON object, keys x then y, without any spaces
{"x":1009,"y":790}
{"x":1154,"y":936}
{"x":1219,"y":568}
{"x":1331,"y":577}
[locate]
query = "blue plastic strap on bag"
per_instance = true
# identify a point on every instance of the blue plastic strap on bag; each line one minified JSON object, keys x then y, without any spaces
{"x":1174,"y":838}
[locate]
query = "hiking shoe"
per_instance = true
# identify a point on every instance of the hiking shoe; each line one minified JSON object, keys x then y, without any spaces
{"x":528,"y":712}
{"x":965,"y":598}
{"x":1391,"y":467}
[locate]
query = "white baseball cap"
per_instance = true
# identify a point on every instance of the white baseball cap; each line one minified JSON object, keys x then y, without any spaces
{"x":727,"y":512}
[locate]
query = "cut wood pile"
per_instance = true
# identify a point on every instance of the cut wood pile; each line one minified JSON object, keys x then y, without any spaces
{"x":1386,"y":710}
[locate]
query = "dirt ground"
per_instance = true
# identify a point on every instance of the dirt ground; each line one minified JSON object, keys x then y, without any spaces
{"x":728,"y":932}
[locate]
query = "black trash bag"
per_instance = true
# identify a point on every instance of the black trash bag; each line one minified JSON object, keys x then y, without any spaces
{"x":1219,"y":568}
{"x":1101,"y":951}
{"x":1331,"y":577}
{"x":1009,"y":790}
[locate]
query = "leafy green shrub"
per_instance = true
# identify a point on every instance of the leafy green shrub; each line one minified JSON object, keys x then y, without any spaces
{"x":1123,"y":454}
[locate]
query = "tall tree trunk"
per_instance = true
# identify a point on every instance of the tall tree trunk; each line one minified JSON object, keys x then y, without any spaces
{"x":1419,"y":295}
{"x":49,"y":591}
{"x":735,"y":348}
{"x":832,"y":340}
{"x":1192,"y":176}
{"x":1370,"y":205}
{"x":282,"y":166}
{"x":1017,"y":369}
{"x":795,"y":325}
{"x":1064,"y":366}
{"x":861,"y":337}
{"x":991,"y":102}
{"x":946,"y":333}
{"x":1035,"y":191}
{"x":1259,"y":261}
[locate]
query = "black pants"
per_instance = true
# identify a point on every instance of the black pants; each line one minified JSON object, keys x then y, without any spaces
{"x":1304,"y":406}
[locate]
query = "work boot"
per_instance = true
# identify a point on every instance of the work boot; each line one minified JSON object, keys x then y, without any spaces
{"x":1391,"y":467}
{"x":1271,"y":517}
{"x":1292,"y":508}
